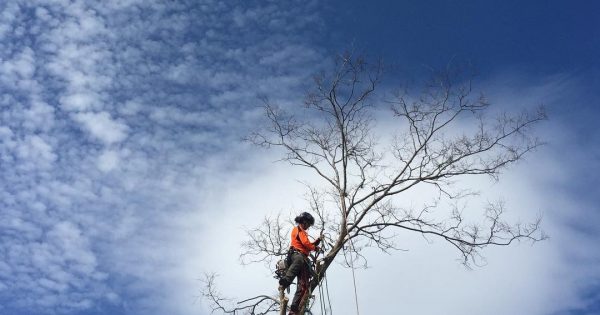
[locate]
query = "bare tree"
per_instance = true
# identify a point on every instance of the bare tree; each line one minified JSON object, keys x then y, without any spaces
{"x":357,"y":200}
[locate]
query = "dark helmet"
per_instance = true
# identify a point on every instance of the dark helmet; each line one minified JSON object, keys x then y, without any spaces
{"x":305,"y":217}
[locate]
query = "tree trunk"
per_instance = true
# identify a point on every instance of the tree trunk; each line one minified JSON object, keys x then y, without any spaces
{"x":284,"y":302}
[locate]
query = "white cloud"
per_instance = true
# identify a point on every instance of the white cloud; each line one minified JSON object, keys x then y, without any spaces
{"x":108,"y":160}
{"x":79,"y":101}
{"x":21,"y":66}
{"x":130,"y":108}
{"x":35,"y":149}
{"x":40,"y":116}
{"x":102,"y":126}
{"x":5,"y":132}
{"x":73,"y":247}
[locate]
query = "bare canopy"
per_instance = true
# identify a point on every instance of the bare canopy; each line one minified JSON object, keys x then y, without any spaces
{"x":444,"y":135}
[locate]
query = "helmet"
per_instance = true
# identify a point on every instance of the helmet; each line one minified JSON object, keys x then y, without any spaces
{"x":305,"y":217}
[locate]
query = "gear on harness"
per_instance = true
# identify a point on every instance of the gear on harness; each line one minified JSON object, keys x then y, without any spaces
{"x":282,"y":265}
{"x":280,"y":268}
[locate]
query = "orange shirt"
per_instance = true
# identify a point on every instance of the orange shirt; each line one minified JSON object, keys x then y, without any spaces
{"x":301,"y":242}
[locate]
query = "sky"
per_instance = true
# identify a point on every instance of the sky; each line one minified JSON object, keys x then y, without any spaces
{"x":124,"y":177}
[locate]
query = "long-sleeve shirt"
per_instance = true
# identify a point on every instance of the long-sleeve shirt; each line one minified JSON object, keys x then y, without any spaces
{"x":301,"y":242}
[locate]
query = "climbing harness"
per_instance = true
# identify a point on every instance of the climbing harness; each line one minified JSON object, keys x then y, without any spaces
{"x":283,"y":264}
{"x":305,"y":304}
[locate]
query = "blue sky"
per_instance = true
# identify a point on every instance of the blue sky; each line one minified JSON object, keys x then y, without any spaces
{"x":123,"y":177}
{"x":544,"y":37}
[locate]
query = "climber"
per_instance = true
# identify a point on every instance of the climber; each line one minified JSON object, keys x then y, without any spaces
{"x":299,"y":266}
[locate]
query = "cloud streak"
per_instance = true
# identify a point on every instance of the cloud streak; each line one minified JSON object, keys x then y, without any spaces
{"x":112,"y":116}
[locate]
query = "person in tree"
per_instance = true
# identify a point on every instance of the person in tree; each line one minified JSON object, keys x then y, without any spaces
{"x":300,"y":247}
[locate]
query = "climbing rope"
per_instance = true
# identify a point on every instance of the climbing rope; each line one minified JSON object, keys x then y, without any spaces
{"x":321,"y":301}
{"x":321,"y":293}
{"x":328,"y":297}
{"x":324,"y":298}
{"x":354,"y":278}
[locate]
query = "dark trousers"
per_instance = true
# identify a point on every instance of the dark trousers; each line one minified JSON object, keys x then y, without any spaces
{"x":298,"y":268}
